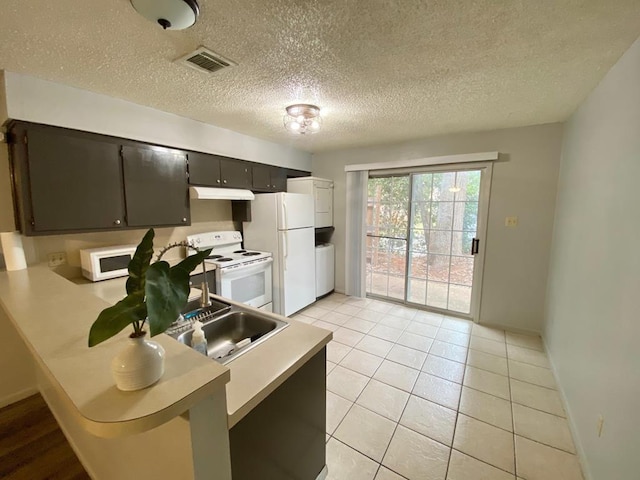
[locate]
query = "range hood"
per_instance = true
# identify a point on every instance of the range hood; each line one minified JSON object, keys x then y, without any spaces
{"x":210,"y":193}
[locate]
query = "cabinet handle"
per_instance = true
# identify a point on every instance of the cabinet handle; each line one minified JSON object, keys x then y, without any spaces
{"x":218,"y":181}
{"x":184,"y":219}
{"x":117,"y":222}
{"x":224,"y":181}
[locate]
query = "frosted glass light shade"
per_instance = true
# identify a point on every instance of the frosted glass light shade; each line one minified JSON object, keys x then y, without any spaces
{"x":170,"y":14}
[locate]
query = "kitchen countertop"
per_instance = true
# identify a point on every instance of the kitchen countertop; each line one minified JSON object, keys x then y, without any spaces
{"x":53,"y":315}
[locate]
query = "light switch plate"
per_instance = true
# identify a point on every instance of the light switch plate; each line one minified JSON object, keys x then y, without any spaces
{"x":511,"y":222}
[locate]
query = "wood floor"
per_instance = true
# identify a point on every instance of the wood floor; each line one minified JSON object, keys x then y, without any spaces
{"x":32,"y":446}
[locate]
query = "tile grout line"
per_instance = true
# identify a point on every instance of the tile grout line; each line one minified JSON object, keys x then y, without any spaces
{"x":370,"y":377}
{"x":513,"y":418}
{"x":455,"y":424}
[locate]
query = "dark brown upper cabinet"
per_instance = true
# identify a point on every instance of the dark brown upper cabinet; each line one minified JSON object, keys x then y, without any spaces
{"x":268,"y":178}
{"x":155,"y":186}
{"x":235,"y":173}
{"x":204,"y":169}
{"x":68,"y":181}
{"x":73,"y":180}
{"x":217,"y":171}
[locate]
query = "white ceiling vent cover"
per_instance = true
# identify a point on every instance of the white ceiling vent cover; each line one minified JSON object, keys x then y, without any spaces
{"x":205,"y":60}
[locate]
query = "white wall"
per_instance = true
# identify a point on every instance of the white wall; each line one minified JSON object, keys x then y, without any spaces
{"x":524,"y":185}
{"x":36,"y":100}
{"x":592,"y":326}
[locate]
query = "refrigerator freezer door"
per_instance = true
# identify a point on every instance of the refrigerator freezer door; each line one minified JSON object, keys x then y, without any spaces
{"x":295,"y":210}
{"x":297,"y":270}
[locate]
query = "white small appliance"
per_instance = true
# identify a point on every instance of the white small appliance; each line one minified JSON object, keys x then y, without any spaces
{"x":283,"y":223}
{"x":241,"y":275}
{"x":322,"y":191}
{"x":106,"y":262}
{"x":325,"y":269}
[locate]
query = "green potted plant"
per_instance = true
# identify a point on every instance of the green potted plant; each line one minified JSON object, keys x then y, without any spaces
{"x":156,"y":293}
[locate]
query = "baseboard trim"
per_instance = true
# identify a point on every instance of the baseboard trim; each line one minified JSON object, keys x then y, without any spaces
{"x":580,"y":453}
{"x":17,"y":396}
{"x":323,"y":474}
{"x":510,"y":328}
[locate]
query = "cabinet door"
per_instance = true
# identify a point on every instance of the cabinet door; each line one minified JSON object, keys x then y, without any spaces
{"x":204,"y":169}
{"x":235,"y":173}
{"x":75,"y":181}
{"x":155,"y":185}
{"x":278,"y":179}
{"x":261,"y":177}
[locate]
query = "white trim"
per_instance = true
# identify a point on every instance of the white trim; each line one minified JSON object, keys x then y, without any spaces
{"x":486,"y":177}
{"x":421,"y":162}
{"x":323,"y":473}
{"x":573,"y":428}
{"x":17,"y":396}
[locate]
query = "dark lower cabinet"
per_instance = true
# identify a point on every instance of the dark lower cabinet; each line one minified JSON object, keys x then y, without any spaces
{"x":155,"y":186}
{"x":74,"y":181}
{"x":283,"y":438}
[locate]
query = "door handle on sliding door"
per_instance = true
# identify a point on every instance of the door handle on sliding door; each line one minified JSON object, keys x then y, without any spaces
{"x":475,"y":245}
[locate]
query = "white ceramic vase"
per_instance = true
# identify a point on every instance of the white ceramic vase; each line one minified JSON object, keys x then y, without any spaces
{"x":138,"y":365}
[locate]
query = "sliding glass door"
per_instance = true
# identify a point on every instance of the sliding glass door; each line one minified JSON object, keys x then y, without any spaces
{"x":424,"y":239}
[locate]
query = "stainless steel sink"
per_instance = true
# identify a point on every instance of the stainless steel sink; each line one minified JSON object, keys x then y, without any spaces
{"x":226,"y":331}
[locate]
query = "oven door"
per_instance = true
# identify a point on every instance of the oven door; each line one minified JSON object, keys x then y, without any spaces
{"x":250,"y":284}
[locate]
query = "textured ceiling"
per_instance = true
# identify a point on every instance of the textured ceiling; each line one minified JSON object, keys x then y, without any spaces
{"x":381,"y":70}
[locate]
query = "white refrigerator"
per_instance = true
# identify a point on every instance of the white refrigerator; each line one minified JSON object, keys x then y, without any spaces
{"x":282,"y":223}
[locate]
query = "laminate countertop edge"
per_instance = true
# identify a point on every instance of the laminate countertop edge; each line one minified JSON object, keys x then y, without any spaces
{"x":53,"y":316}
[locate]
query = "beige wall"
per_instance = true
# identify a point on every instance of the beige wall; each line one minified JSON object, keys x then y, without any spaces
{"x":7,"y":221}
{"x":592,"y":326}
{"x":17,"y":374}
{"x":206,"y":216}
{"x":524,"y":185}
{"x":17,"y":378}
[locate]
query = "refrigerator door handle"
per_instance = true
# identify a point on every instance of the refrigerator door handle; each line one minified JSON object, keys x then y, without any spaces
{"x":285,"y":249}
{"x":285,"y":215}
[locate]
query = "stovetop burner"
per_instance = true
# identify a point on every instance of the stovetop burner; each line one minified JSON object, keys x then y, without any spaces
{"x":239,"y":251}
{"x":250,"y":254}
{"x":214,"y":257}
{"x":224,"y":259}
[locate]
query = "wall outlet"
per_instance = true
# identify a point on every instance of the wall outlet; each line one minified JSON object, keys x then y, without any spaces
{"x":57,"y":258}
{"x":511,"y":222}
{"x":600,"y":425}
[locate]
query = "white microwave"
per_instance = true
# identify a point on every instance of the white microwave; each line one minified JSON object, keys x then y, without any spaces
{"x":107,"y":262}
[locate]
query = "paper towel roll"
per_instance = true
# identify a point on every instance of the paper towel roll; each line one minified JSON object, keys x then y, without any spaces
{"x":13,"y":251}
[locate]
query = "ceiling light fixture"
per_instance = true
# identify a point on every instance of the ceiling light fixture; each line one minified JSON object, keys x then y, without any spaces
{"x":302,"y":118}
{"x":170,"y":14}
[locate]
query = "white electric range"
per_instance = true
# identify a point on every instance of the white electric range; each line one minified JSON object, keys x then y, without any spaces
{"x":241,"y":275}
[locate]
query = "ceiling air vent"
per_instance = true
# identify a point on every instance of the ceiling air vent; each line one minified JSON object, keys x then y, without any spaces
{"x":205,"y":60}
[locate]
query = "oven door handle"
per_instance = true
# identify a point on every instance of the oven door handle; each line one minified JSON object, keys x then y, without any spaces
{"x":245,"y":269}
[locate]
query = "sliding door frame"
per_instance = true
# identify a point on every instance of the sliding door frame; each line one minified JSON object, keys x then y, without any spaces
{"x":486,"y":169}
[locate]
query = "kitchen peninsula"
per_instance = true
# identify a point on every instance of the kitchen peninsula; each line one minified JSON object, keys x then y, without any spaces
{"x":199,"y":421}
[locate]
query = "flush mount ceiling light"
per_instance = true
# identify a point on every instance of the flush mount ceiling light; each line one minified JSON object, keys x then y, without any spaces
{"x":302,"y":118}
{"x":170,"y":14}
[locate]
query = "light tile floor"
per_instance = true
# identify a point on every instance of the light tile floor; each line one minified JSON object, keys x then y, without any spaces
{"x":421,"y":396}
